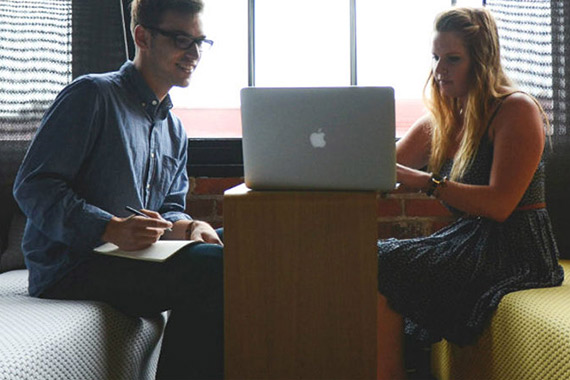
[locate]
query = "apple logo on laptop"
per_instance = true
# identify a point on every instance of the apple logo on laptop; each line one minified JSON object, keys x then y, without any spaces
{"x":318,"y":139}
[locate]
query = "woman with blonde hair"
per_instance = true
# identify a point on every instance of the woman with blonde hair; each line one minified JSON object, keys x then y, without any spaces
{"x":482,"y":143}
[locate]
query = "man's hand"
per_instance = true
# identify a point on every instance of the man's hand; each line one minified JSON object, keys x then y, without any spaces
{"x":135,"y":232}
{"x":202,"y":231}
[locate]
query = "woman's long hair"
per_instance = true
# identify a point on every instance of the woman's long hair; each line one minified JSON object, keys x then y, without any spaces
{"x":478,"y":31}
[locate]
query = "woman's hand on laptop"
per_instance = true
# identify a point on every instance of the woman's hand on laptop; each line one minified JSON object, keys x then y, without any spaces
{"x":412,"y":179}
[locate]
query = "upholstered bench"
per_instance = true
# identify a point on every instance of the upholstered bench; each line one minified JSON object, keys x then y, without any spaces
{"x":49,"y":339}
{"x":528,"y":338}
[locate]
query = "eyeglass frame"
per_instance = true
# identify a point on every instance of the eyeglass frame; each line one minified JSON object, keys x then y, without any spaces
{"x":174,"y":36}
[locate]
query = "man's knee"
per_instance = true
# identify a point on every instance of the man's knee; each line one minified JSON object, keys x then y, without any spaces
{"x":200,"y":261}
{"x":211,"y":255}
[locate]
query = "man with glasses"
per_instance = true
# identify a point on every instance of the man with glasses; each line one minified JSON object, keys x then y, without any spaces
{"x":110,"y":141}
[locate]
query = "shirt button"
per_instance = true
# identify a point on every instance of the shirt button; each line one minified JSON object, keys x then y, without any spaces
{"x":154,"y":102}
{"x":143,"y":104}
{"x":148,"y":186}
{"x":152,"y":155}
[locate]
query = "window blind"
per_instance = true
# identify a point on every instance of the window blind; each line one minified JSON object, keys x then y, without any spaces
{"x":35,"y":62}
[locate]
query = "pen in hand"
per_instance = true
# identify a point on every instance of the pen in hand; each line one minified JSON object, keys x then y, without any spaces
{"x":139,"y":213}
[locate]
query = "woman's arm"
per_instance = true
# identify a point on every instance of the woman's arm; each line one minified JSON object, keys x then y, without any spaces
{"x":412,"y":154}
{"x":518,"y":140}
{"x":413,"y":149}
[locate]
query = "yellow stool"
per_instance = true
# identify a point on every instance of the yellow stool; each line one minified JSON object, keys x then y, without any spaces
{"x":528,"y":338}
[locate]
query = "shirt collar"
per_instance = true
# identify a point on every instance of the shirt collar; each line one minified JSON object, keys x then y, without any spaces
{"x":145,"y":96}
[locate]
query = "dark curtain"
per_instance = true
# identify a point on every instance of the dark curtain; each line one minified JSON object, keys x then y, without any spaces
{"x":535,"y":45}
{"x":98,"y":36}
{"x":128,"y":35}
{"x":558,"y":173}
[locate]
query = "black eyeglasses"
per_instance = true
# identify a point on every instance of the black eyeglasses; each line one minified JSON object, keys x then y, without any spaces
{"x":184,"y":41}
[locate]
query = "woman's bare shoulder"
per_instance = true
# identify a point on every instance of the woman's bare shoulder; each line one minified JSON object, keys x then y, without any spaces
{"x":516,"y":111}
{"x":422,"y":125}
{"x":520,"y":99}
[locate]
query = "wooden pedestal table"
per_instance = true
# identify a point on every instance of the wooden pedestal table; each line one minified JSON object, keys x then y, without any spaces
{"x":300,"y":284}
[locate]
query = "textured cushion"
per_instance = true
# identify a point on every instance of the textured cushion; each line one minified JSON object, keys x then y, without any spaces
{"x":83,"y":340}
{"x":7,"y":206}
{"x":14,"y":283}
{"x":12,"y":257}
{"x":529,"y":338}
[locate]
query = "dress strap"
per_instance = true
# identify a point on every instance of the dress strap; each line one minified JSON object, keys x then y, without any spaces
{"x":496,"y":111}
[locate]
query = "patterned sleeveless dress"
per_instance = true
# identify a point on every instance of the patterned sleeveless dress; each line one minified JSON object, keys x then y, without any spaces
{"x":448,"y":284}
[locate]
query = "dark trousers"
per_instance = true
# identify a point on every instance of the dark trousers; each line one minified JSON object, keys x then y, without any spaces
{"x":190,"y":284}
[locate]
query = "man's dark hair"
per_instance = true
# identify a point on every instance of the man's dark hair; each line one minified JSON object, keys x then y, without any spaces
{"x":149,"y":12}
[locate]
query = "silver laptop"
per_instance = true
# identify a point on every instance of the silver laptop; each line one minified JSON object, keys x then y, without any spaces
{"x":330,"y":138}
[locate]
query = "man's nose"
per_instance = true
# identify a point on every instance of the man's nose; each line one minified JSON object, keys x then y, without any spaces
{"x":193,"y":51}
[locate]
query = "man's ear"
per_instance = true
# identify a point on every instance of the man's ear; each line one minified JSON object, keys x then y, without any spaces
{"x":142,"y":37}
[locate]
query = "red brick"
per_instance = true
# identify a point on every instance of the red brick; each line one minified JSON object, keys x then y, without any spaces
{"x":206,"y":185}
{"x":402,"y":229}
{"x":425,"y":207}
{"x":191,"y":185}
{"x":388,"y":207}
{"x":216,"y":223}
{"x":201,"y":208}
{"x":439,"y":224}
{"x":385,"y":230}
{"x":220,"y":207}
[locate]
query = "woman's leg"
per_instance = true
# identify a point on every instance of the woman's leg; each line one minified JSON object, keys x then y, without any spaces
{"x":390,"y":342}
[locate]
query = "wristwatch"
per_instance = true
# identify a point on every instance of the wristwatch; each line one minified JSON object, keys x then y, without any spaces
{"x":435,"y":181}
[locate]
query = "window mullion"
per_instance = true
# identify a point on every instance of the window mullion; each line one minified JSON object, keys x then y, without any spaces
{"x":251,"y":42}
{"x":353,"y":71}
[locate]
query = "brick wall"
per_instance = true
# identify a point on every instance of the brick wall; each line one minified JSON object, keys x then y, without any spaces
{"x":400,"y":214}
{"x":205,"y":198}
{"x":405,"y":215}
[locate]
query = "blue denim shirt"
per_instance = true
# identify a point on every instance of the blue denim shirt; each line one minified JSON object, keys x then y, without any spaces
{"x":105,"y":143}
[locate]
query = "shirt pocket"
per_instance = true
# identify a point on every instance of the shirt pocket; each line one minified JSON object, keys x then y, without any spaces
{"x":165,"y":175}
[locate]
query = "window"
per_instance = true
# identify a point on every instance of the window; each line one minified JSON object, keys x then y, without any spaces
{"x":308,"y":43}
{"x":394,"y":49}
{"x":209,"y":107}
{"x":302,"y":43}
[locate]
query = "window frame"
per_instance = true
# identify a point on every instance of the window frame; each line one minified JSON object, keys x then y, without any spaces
{"x":222,"y":157}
